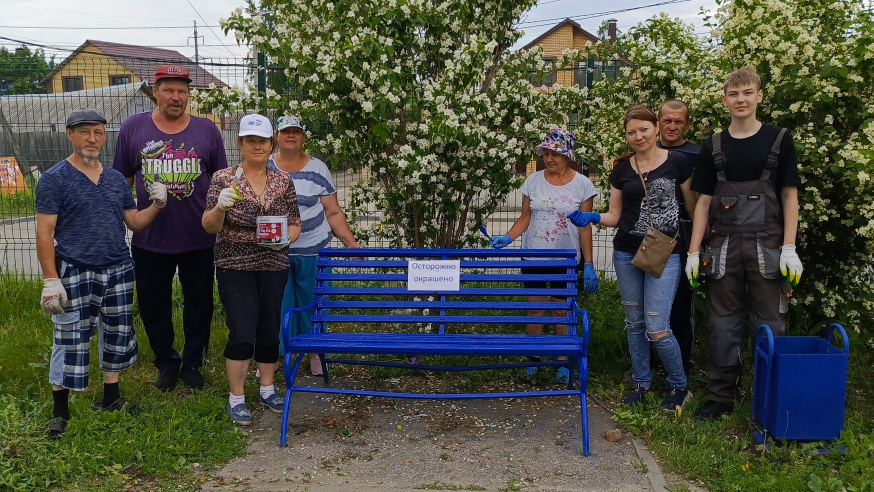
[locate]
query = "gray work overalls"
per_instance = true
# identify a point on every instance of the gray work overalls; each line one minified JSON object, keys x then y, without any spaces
{"x":746,"y":232}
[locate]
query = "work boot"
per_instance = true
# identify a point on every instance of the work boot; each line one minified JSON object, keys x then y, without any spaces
{"x":193,"y":379}
{"x":712,"y":410}
{"x":167,"y":380}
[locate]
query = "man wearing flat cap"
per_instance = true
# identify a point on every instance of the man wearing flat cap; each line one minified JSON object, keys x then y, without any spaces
{"x":89,"y":274}
{"x":170,"y":146}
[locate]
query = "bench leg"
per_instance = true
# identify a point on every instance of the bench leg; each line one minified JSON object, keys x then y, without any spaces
{"x":584,"y":404}
{"x":325,"y":375}
{"x":290,"y":375}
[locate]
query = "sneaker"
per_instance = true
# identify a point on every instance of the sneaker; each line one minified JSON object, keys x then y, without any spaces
{"x":563,"y":375}
{"x":712,"y":410}
{"x":274,"y":402}
{"x":193,"y":379}
{"x":167,"y":380}
{"x":239,"y":414}
{"x":676,"y":398}
{"x":315,"y":365}
{"x":56,"y":429}
{"x":530,"y":372}
{"x":636,"y":397}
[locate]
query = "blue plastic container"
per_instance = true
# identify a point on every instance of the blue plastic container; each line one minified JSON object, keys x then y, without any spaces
{"x":800,"y":385}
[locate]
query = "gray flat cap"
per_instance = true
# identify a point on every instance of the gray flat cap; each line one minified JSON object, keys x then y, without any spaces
{"x":80,"y":116}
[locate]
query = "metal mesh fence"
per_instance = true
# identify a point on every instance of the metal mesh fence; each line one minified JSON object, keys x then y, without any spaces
{"x":33,"y":138}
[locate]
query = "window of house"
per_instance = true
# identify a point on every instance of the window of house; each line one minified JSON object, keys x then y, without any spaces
{"x":548,"y":79}
{"x":73,"y":84}
{"x":119,"y":79}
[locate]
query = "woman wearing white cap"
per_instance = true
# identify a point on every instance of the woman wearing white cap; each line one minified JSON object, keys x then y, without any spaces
{"x":251,"y":276}
{"x":321,"y":215}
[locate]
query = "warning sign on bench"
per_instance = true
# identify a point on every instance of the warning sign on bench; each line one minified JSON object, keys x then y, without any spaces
{"x":433,"y":275}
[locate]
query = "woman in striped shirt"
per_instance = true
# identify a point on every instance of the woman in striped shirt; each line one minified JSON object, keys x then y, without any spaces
{"x":320,"y":214}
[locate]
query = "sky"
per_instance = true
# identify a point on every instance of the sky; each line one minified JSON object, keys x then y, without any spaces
{"x":65,"y":25}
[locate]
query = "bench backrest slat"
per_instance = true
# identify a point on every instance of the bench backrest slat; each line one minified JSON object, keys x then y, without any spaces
{"x":359,"y":286}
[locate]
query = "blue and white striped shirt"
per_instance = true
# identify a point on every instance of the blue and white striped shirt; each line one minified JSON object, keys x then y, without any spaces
{"x":311,"y":183}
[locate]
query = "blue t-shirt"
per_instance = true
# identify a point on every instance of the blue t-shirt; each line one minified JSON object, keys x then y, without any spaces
{"x":90,"y":230}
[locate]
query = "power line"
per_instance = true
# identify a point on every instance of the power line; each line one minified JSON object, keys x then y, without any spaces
{"x":210,"y":27}
{"x":100,"y":53}
{"x":546,"y":22}
{"x":101,"y":28}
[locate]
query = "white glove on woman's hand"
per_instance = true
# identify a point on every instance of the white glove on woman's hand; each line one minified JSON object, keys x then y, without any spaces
{"x":227,"y":199}
{"x":54,"y":297}
{"x":790,"y":264}
{"x":158,"y":194}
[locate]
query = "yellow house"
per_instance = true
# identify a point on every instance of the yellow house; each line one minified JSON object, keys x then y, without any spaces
{"x":567,"y":34}
{"x":98,"y":64}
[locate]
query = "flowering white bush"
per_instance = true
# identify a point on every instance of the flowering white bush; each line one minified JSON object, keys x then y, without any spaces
{"x":423,"y":95}
{"x":815,"y":59}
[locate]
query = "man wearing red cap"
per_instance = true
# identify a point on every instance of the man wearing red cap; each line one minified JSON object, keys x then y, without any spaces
{"x":170,"y":146}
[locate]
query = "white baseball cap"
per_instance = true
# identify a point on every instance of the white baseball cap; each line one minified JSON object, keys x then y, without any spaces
{"x":289,"y":122}
{"x":255,"y":124}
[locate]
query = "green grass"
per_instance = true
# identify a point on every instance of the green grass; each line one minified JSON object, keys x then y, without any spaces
{"x":103,"y":451}
{"x":18,"y":204}
{"x":179,"y":429}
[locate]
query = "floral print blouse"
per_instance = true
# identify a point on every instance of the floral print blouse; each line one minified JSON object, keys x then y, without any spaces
{"x":236,"y":245}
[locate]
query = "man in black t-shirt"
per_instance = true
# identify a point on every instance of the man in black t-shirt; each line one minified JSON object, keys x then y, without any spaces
{"x":673,"y":122}
{"x":747,"y":178}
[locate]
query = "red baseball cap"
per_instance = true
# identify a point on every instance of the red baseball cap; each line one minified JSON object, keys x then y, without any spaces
{"x":172,"y":72}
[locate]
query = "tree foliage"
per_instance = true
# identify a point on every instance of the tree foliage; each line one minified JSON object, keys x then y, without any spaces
{"x":424,"y":96}
{"x":22,"y":71}
{"x":815,"y":60}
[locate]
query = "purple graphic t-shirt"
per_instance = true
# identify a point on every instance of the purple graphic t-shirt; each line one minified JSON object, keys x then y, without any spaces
{"x":185,"y":163}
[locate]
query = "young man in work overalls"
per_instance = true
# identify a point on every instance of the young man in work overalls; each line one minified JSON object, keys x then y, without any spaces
{"x":747,"y":178}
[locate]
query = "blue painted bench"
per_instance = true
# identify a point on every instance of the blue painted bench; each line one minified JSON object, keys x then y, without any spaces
{"x":356,"y":287}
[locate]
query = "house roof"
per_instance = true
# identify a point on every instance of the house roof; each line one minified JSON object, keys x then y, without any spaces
{"x":142,"y":61}
{"x":37,"y":112}
{"x":557,"y":27}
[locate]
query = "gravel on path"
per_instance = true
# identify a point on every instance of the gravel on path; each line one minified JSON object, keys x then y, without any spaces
{"x":340,"y":443}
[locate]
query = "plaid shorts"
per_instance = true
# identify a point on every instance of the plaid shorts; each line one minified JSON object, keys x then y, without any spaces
{"x":97,"y":298}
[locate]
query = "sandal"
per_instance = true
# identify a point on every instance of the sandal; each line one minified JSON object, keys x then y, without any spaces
{"x":56,"y":429}
{"x":115,"y":406}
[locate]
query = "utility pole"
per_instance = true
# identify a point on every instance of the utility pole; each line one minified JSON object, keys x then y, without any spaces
{"x":196,"y":46}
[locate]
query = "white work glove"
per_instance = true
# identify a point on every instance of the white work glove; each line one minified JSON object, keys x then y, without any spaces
{"x":790,"y":264}
{"x":227,"y":199}
{"x":692,"y":262}
{"x":158,"y":194}
{"x":54,"y":297}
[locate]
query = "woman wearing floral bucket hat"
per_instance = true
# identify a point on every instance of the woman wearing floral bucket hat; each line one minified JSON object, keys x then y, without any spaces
{"x":548,"y":196}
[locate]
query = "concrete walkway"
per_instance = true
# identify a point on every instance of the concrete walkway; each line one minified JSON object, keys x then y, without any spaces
{"x":342,"y":443}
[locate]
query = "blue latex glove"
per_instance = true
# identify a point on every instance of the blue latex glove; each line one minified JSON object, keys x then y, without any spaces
{"x":582,"y":219}
{"x":499,"y":242}
{"x":590,"y":279}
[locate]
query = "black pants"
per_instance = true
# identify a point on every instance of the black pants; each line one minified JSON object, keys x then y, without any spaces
{"x":253,"y":305}
{"x":154,"y":282}
{"x":683,"y":318}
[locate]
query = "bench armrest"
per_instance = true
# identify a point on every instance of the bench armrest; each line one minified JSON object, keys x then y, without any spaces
{"x":584,"y":326}
{"x":284,"y":331}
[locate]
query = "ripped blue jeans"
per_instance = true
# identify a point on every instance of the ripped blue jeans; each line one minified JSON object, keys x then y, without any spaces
{"x":647,"y":302}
